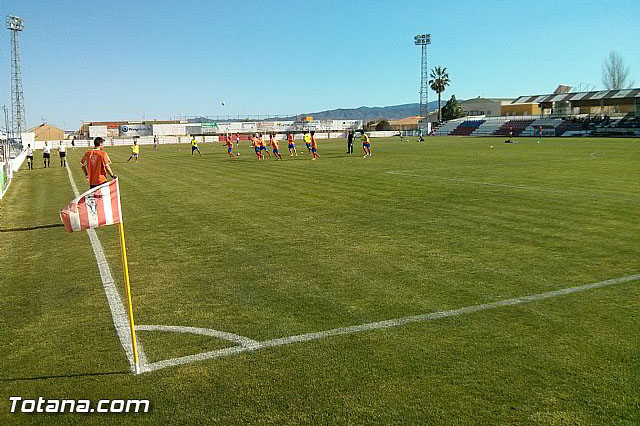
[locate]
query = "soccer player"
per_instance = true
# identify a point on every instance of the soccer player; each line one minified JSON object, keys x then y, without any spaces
{"x":29,"y":157}
{"x":292,"y":145}
{"x":62,"y":153}
{"x":307,"y":141}
{"x":237,"y":140}
{"x":229,"y":144}
{"x":263,"y":146}
{"x":96,"y":164}
{"x":275,"y":145}
{"x":73,"y":143}
{"x":194,"y":146}
{"x":366,"y":145}
{"x":314,"y":145}
{"x":256,"y":146}
{"x":46,"y":155}
{"x":155,"y":142}
{"x":135,"y":150}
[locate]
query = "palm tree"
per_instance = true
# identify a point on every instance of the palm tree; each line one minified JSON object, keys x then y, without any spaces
{"x":439,"y":81}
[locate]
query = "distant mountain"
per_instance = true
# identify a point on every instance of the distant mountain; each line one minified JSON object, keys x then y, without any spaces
{"x":200,"y":120}
{"x":372,"y":113}
{"x":363,"y":113}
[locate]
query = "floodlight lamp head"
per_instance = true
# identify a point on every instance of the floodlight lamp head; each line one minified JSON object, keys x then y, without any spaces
{"x":422,"y":39}
{"x":15,"y":23}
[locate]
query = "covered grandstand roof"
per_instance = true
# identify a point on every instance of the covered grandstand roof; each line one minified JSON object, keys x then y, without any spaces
{"x":580,"y":96}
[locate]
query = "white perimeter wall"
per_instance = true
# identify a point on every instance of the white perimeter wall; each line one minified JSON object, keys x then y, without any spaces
{"x":148,"y":140}
{"x":187,"y":129}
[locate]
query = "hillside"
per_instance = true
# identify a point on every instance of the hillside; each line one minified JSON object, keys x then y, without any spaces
{"x":372,"y":113}
{"x":363,"y":113}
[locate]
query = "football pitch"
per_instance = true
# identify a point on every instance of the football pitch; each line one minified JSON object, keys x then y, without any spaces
{"x":384,"y":290}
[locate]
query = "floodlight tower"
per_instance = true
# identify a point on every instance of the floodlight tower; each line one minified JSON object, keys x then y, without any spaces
{"x":424,"y":40}
{"x":16,"y":24}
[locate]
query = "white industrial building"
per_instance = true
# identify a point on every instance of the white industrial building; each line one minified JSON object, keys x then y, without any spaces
{"x":243,"y":127}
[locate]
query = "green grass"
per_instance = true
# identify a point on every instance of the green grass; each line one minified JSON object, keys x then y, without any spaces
{"x":272,"y":249}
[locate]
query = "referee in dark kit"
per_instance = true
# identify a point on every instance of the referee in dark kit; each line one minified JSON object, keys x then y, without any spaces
{"x":350,"y":142}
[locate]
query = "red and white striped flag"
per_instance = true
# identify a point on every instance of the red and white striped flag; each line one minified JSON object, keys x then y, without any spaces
{"x":97,"y":207}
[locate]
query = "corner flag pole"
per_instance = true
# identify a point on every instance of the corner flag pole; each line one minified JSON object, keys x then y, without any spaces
{"x":128,"y":289}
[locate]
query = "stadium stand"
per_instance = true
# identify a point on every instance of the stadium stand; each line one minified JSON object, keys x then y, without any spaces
{"x":516,"y":125}
{"x":548,"y":127}
{"x":489,"y":127}
{"x":447,"y":127}
{"x":625,"y":126}
{"x":581,"y":125}
{"x":574,"y":127}
{"x":629,"y":121}
{"x":563,"y":113}
{"x":466,"y":128}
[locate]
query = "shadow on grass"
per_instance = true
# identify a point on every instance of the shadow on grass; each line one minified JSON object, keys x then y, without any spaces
{"x":66,"y":376}
{"x":31,"y":228}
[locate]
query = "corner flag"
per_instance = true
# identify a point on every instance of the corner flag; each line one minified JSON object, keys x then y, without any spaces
{"x":97,"y":207}
{"x":100,"y":206}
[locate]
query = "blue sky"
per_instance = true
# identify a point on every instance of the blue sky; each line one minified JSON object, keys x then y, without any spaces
{"x":115,"y":60}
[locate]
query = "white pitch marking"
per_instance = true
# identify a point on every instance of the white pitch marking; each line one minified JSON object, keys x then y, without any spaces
{"x":120,"y":317}
{"x":241,"y":340}
{"x":381,"y":324}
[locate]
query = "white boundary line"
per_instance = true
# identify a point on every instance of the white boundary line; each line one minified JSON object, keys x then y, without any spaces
{"x":241,"y":340}
{"x":374,"y":325}
{"x":120,"y":318}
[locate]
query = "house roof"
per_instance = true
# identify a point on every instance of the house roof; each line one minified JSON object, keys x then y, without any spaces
{"x":44,"y":126}
{"x":486,"y":99}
